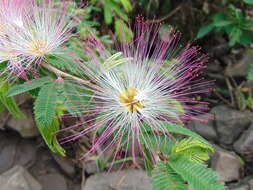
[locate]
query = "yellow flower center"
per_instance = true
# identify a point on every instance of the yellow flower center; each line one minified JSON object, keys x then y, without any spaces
{"x":39,"y":47}
{"x":128,"y":99}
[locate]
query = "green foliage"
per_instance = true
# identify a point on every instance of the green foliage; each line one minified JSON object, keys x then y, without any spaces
{"x":184,"y":164}
{"x":45,"y":116}
{"x":193,"y":149}
{"x":196,"y":174}
{"x":45,"y":105}
{"x":113,"y":12}
{"x":123,"y":33}
{"x":233,"y":22}
{"x":49,"y":135}
{"x":165,"y":178}
{"x":250,"y":2}
{"x":29,"y":85}
{"x":172,"y":164}
{"x":71,"y":96}
{"x":64,"y":62}
{"x":174,"y":128}
{"x":9,"y":102}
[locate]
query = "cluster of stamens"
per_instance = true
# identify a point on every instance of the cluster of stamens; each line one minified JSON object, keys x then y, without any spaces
{"x":128,"y":99}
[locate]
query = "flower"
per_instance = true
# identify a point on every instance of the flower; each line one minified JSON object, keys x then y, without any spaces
{"x":153,"y":84}
{"x":35,"y":34}
{"x":13,"y":12}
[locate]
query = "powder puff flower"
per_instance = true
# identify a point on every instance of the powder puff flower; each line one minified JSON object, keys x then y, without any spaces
{"x":155,"y":85}
{"x":13,"y":12}
{"x":44,"y":29}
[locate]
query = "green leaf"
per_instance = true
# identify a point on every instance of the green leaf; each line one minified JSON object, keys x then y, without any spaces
{"x":49,"y":135}
{"x":159,"y":143}
{"x":219,"y":18}
{"x":222,"y":23}
{"x":9,"y":102}
{"x":250,"y":2}
{"x":73,"y":99}
{"x":127,"y":5}
{"x":204,"y":30}
{"x":107,"y":14}
{"x":64,"y":62}
{"x":197,"y":175}
{"x":246,"y":38}
{"x":193,"y":149}
{"x":117,"y":9}
{"x":45,"y":117}
{"x":164,"y":178}
{"x":174,"y":128}
{"x":123,"y":33}
{"x":2,"y":107}
{"x":27,"y":86}
{"x":45,"y":105}
{"x":235,"y":36}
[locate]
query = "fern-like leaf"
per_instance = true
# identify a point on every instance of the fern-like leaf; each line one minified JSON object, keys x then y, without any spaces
{"x":193,"y":149}
{"x":164,"y":178}
{"x":64,"y":62}
{"x":27,"y":86}
{"x":9,"y":102}
{"x":49,"y":135}
{"x":196,"y":174}
{"x":45,"y":116}
{"x":45,"y":105}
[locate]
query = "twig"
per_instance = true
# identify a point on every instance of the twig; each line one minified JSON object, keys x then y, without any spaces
{"x":63,"y":74}
{"x":222,"y":98}
{"x":230,"y":88}
{"x":166,"y":17}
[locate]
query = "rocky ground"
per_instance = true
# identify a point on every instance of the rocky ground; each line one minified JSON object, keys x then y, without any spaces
{"x":27,"y":164}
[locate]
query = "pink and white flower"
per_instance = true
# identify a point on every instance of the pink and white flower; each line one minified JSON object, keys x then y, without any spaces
{"x":153,"y":83}
{"x":37,"y":33}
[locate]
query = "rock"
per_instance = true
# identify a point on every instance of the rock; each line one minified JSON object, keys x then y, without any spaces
{"x":123,"y":180}
{"x":230,"y":123}
{"x":204,"y":129}
{"x":91,"y":167}
{"x":15,"y":151}
{"x":18,"y":178}
{"x":25,"y":126}
{"x":227,"y":164}
{"x":26,"y":153}
{"x":241,"y":187}
{"x":4,"y":116}
{"x":239,"y":69}
{"x":244,"y":145}
{"x":251,"y":183}
{"x":65,"y":164}
{"x":53,"y":181}
{"x":8,"y":146}
{"x":244,"y":187}
{"x":44,"y":163}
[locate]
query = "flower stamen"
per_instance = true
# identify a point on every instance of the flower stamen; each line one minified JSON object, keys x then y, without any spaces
{"x":39,"y":47}
{"x":128,"y":99}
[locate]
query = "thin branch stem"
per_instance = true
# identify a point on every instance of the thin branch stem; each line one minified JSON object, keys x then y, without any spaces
{"x":63,"y":74}
{"x":166,"y":17}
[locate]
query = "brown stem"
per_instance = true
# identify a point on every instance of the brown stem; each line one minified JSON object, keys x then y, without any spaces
{"x":166,"y":17}
{"x":63,"y":74}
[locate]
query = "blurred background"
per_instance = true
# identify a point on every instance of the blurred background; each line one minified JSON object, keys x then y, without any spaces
{"x":224,"y":30}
